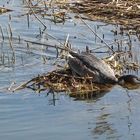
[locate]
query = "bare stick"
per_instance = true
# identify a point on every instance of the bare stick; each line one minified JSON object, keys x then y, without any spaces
{"x":66,"y":42}
{"x":28,"y":20}
{"x":23,"y":85}
{"x":52,"y":37}
{"x":10,"y":41}
{"x":35,"y":14}
{"x":41,"y":22}
{"x":118,"y":41}
{"x":2,"y":32}
{"x":10,"y":30}
{"x":12,"y":84}
{"x":39,"y":43}
{"x":96,"y":34}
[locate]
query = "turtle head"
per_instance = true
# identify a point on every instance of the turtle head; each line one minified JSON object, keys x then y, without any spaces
{"x":128,"y":79}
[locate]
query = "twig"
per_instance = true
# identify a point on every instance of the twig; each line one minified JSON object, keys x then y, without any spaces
{"x":35,"y":14}
{"x":39,"y":43}
{"x":10,"y":31}
{"x":118,"y":41}
{"x":41,"y":22}
{"x":10,"y":41}
{"x":21,"y":86}
{"x":28,"y":20}
{"x":52,"y":37}
{"x":72,"y":76}
{"x":2,"y":32}
{"x":10,"y":87}
{"x":96,"y":34}
{"x":66,"y":42}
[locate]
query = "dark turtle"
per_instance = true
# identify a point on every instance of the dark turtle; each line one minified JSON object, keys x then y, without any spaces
{"x":86,"y":64}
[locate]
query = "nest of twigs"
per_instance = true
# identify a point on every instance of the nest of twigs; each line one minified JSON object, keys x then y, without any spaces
{"x":64,"y":80}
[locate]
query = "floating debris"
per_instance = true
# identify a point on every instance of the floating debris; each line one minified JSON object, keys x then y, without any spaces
{"x":4,"y":10}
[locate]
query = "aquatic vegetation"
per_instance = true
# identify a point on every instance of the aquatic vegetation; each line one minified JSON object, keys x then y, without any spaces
{"x":121,"y":12}
{"x":119,"y":53}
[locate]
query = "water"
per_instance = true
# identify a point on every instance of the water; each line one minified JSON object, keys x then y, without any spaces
{"x":25,"y":114}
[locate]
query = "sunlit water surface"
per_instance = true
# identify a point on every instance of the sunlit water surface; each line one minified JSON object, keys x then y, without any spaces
{"x":27,"y":115}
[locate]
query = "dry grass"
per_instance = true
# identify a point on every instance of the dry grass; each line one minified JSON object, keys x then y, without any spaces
{"x":124,"y":12}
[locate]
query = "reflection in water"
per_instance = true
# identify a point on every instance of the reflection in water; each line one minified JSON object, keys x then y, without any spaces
{"x":129,"y":111}
{"x":88,"y":95}
{"x":103,"y":127}
{"x":131,"y":86}
{"x":53,"y":99}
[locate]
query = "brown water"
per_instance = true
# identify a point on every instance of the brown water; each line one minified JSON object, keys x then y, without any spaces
{"x":29,"y":115}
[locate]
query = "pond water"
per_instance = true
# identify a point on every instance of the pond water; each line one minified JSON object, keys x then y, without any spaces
{"x":26,"y":114}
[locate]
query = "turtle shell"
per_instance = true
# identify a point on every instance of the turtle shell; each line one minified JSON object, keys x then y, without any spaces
{"x":87,"y":64}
